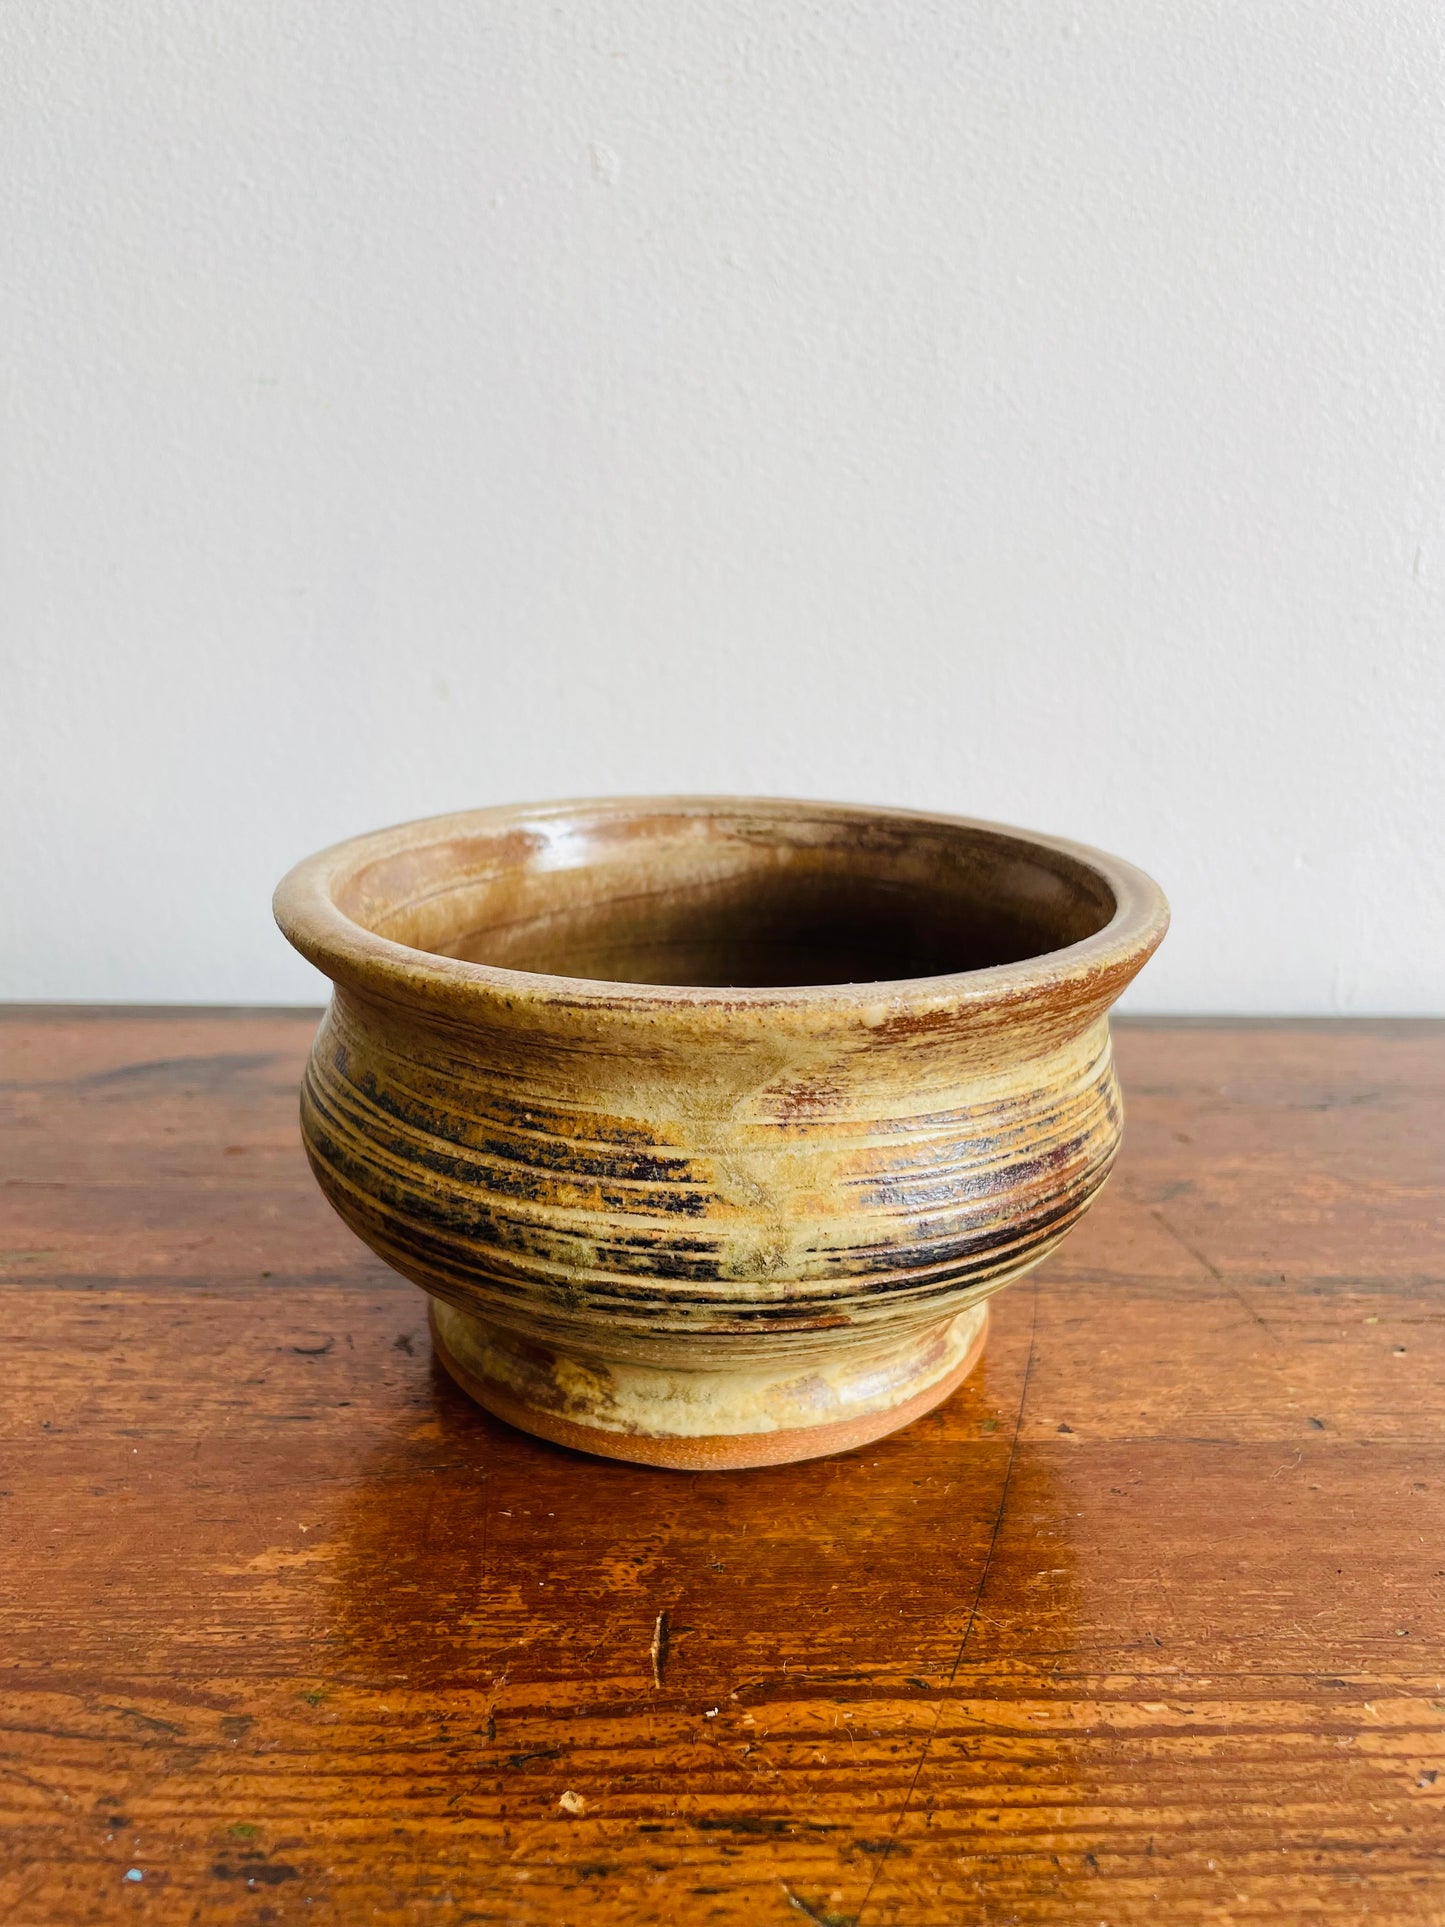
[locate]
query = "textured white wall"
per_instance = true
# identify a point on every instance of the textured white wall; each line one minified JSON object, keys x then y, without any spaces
{"x":1035,"y":410}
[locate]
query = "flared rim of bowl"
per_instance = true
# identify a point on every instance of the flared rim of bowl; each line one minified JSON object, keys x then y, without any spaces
{"x":1094,"y":969}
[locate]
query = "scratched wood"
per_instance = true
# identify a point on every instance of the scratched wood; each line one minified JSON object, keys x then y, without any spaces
{"x":1146,"y":1625}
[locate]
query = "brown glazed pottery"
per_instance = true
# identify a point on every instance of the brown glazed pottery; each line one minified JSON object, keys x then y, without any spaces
{"x":711,"y":1123}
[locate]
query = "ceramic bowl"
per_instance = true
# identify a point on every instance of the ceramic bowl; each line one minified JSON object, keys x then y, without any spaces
{"x":711,"y":1124}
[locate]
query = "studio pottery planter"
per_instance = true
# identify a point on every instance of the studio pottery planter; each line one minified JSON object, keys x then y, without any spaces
{"x":711,"y":1124}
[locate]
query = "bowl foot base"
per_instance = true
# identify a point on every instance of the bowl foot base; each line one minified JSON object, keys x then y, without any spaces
{"x":706,"y":1420}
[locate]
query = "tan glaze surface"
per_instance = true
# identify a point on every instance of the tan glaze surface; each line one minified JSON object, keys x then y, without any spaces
{"x":719,"y":1215}
{"x":709,"y":1452}
{"x":1145,"y":1625}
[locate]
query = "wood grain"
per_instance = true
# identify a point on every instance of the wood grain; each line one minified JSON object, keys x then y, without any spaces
{"x":1146,"y":1624}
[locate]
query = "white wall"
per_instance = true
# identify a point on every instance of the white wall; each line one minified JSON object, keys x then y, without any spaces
{"x":1035,"y":410}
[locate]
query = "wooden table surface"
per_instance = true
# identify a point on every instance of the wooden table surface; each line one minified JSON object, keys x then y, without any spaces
{"x":1147,"y":1625}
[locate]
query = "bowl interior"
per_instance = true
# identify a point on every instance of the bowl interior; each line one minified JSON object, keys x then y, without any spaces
{"x":746,"y":895}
